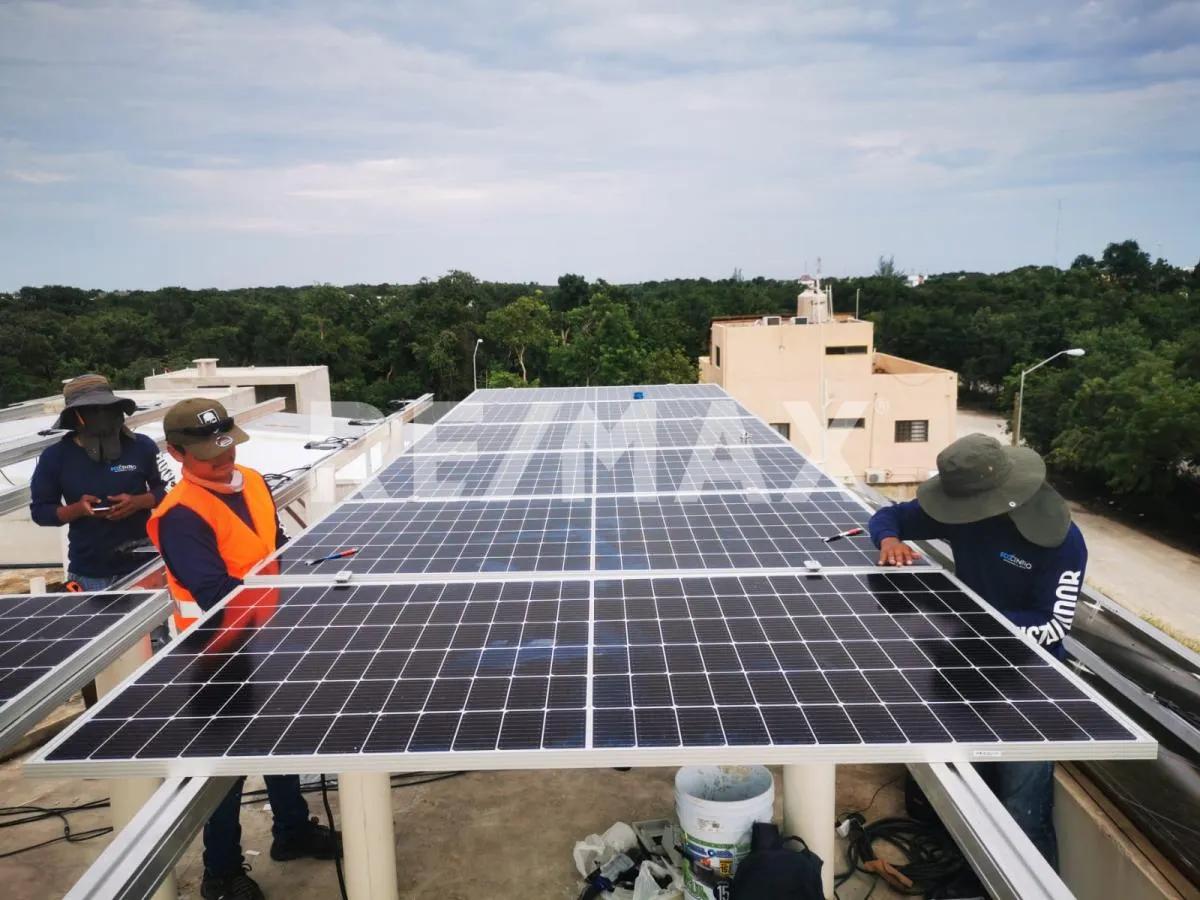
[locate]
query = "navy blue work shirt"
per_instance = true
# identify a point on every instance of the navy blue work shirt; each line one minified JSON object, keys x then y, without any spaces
{"x":65,"y":472}
{"x":1035,"y":587}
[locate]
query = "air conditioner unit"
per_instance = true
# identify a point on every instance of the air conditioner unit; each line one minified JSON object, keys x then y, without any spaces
{"x":799,"y":320}
{"x":771,"y":320}
{"x":876,"y":476}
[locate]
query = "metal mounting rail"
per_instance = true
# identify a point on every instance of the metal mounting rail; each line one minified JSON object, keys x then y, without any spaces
{"x":1007,"y":863}
{"x":1088,"y":661}
{"x":147,"y":849}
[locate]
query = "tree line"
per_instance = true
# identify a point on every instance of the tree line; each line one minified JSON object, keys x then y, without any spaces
{"x":1126,"y":417}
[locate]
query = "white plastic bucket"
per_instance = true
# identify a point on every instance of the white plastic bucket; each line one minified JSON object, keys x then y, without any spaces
{"x":717,"y":806}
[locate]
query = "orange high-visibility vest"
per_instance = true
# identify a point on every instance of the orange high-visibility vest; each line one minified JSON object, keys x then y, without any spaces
{"x":241,"y":547}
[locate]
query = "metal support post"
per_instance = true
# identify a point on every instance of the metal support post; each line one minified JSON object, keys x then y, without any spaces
{"x":128,"y":795}
{"x":808,"y":811}
{"x":368,"y":835}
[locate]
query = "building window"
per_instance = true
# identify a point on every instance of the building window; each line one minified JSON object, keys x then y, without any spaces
{"x":846,"y":350}
{"x":783,"y":428}
{"x":847,"y":423}
{"x":717,"y":355}
{"x":912,"y":431}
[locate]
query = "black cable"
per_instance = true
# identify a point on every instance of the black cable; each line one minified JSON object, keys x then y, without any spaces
{"x":337,"y":856}
{"x":42,"y":813}
{"x":933,"y":859}
{"x":874,"y":797}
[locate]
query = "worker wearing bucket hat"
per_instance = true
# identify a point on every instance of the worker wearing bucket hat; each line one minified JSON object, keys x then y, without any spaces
{"x":1015,"y":545}
{"x":101,"y":481}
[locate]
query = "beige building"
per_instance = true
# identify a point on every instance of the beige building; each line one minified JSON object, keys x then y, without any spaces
{"x":305,"y":389}
{"x":817,"y":379}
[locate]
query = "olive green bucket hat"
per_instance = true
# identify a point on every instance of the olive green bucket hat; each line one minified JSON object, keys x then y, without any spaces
{"x":979,"y":478}
{"x":1044,"y":519}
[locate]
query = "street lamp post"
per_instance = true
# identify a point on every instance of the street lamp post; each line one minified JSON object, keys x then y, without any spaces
{"x":1074,"y":351}
{"x":474,"y":374}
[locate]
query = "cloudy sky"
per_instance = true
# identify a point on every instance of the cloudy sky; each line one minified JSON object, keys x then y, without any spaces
{"x":237,"y":142}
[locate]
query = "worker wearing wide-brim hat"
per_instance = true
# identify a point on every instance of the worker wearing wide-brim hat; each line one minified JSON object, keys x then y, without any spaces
{"x":1015,"y":545}
{"x":101,"y":480}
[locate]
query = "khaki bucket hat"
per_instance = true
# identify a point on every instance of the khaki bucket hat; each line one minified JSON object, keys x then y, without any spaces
{"x":87,"y":391}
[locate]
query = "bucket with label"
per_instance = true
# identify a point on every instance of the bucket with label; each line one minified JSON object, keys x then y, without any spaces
{"x":717,"y":807}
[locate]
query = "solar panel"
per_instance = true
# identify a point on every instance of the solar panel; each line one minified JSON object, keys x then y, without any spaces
{"x":730,"y":531}
{"x":689,"y":469}
{"x":834,"y":664}
{"x":500,"y":413}
{"x":570,"y":576}
{"x":490,"y":474}
{"x":713,"y":408}
{"x":518,"y":438}
{"x":523,"y":535}
{"x":532,"y":395}
{"x":46,"y":639}
{"x":592,"y":394}
{"x":661,"y":392}
{"x":720,"y":432}
{"x":39,"y":631}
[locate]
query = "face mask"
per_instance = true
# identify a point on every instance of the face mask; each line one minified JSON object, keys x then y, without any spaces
{"x":100,"y":432}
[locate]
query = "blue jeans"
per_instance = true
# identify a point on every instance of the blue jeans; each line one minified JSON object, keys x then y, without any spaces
{"x":1027,"y":791}
{"x":223,"y":830}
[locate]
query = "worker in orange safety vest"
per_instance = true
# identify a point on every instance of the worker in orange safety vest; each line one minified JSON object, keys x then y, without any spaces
{"x":216,"y":525}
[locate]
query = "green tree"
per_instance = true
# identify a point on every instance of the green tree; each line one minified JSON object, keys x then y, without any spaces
{"x":1126,"y":261}
{"x":521,"y":326}
{"x":572,"y":293}
{"x":887,"y":268}
{"x":602,"y":347}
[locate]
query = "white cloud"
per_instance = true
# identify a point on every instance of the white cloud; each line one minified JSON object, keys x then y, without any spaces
{"x":27,"y":176}
{"x":628,"y":139}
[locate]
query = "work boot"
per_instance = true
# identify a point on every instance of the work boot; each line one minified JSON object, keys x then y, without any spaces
{"x":312,"y":840}
{"x":235,"y":886}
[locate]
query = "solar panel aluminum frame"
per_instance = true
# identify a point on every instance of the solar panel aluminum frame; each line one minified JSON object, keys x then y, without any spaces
{"x":30,"y":706}
{"x":1142,"y":747}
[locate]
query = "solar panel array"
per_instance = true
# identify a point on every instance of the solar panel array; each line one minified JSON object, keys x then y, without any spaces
{"x":51,"y":644}
{"x":38,"y":632}
{"x":557,"y":577}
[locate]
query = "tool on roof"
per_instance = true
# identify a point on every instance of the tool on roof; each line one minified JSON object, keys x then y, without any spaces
{"x":853,"y":532}
{"x":341,"y":554}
